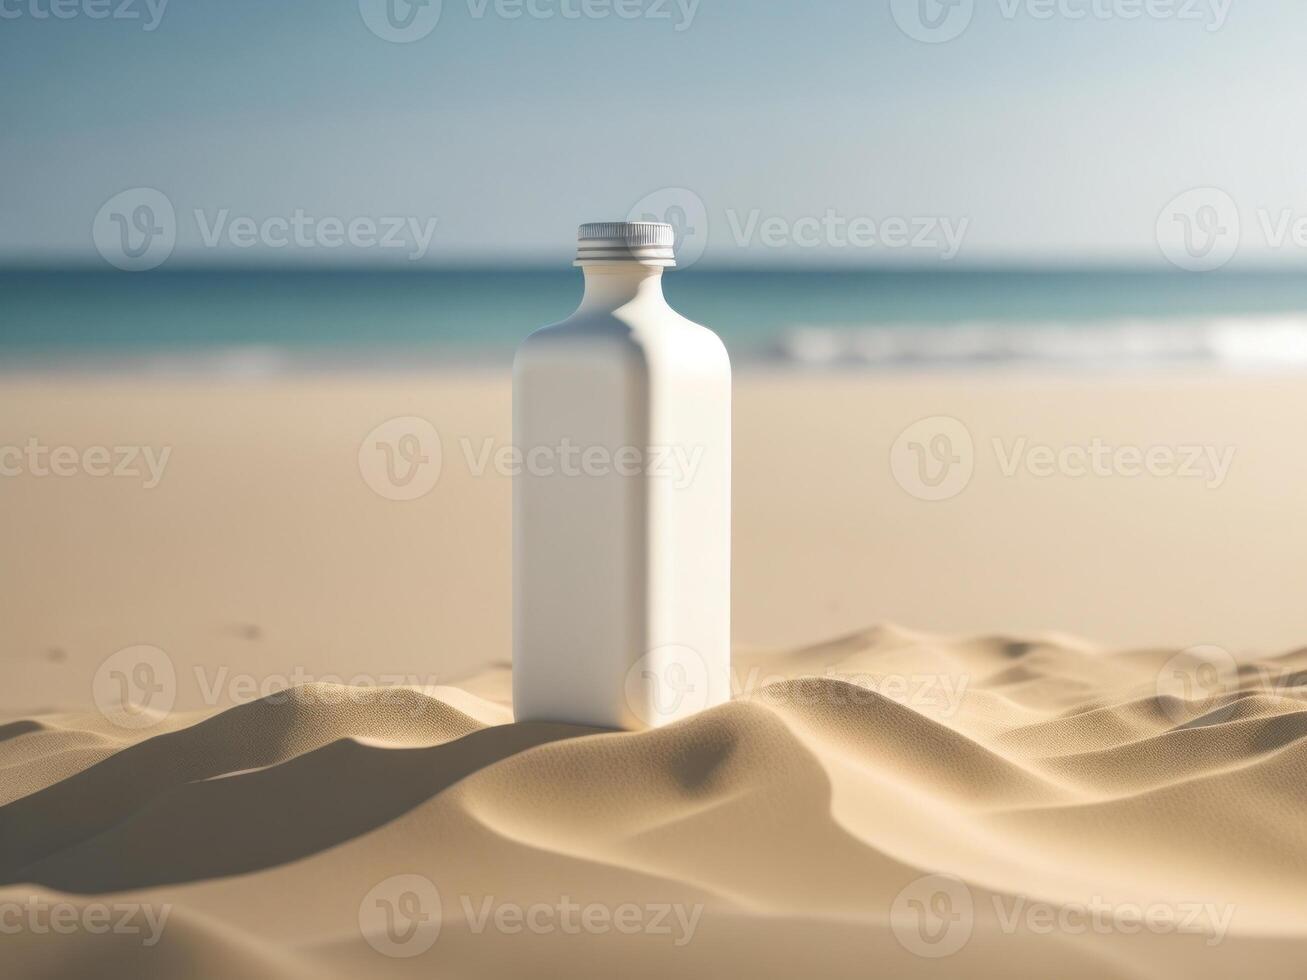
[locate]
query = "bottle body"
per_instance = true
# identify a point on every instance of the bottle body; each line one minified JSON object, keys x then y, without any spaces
{"x":621,"y":522}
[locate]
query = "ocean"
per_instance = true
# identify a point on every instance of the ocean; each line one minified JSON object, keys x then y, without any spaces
{"x":256,"y":320}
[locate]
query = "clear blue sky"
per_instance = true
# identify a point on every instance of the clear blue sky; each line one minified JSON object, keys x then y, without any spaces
{"x":1058,"y":139}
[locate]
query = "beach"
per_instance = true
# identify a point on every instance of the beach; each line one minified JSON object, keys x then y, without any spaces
{"x":950,"y":670}
{"x":650,"y":489}
{"x":263,"y":547}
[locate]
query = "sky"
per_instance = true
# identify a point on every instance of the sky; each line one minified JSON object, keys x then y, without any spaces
{"x":770,"y":131}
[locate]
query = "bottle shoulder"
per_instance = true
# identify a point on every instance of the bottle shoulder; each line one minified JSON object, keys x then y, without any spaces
{"x":651,"y":336}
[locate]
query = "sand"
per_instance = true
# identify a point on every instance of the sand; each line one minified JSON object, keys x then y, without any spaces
{"x":1061,"y":797}
{"x":262,"y":548}
{"x":995,"y":798}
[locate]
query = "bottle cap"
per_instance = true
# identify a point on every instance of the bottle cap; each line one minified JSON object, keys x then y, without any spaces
{"x":645,"y":242}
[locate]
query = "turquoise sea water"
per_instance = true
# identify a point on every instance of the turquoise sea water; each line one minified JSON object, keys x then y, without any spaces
{"x":870,"y":317}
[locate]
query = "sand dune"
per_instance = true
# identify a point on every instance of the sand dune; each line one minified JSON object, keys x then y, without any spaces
{"x":888,"y":804}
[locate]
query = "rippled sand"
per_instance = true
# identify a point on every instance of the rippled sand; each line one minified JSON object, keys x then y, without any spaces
{"x":889,"y":804}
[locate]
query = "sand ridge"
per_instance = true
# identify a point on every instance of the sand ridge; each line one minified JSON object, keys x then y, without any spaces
{"x":889,"y":803}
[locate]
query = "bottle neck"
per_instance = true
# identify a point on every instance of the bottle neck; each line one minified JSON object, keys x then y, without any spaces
{"x":612,"y":285}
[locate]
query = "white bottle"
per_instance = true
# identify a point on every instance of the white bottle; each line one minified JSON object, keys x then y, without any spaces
{"x":622,"y":504}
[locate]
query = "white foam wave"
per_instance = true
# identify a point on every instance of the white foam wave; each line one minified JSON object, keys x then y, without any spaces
{"x":1240,"y":342}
